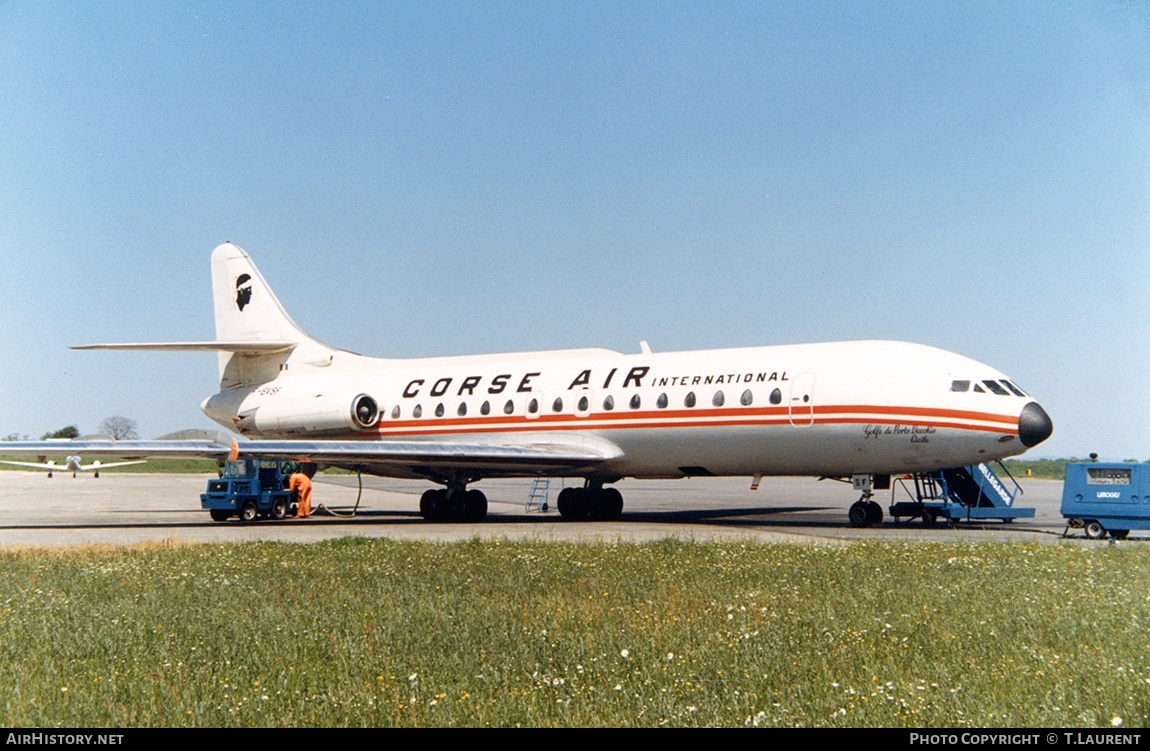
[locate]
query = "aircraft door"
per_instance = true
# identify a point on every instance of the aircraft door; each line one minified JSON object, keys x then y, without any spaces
{"x":802,"y":403}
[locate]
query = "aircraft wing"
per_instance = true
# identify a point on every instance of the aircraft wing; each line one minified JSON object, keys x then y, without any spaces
{"x":101,"y":465}
{"x":36,"y":465}
{"x":382,"y":457}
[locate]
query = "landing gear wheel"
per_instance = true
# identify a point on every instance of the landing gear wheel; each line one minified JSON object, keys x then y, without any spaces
{"x":573,"y":504}
{"x":249,"y":512}
{"x":218,"y":515}
{"x":858,"y":514}
{"x":279,"y":509}
{"x":429,"y":504}
{"x":611,"y":503}
{"x":474,"y":506}
{"x":875,"y":512}
{"x":1094,"y":530}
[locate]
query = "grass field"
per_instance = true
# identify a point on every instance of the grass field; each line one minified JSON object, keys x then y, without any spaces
{"x":360,"y":632}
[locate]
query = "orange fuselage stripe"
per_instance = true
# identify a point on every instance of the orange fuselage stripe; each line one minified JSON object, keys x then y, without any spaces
{"x":685,"y":418}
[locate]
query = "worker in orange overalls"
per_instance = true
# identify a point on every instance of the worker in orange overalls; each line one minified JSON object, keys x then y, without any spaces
{"x":300,"y":486}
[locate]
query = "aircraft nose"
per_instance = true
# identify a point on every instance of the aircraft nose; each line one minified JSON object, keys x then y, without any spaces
{"x":1034,"y":425}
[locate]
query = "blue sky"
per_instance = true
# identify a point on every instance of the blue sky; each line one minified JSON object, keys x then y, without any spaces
{"x":453,"y":178}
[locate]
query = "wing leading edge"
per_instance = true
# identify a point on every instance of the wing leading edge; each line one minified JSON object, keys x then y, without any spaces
{"x":389,"y":458}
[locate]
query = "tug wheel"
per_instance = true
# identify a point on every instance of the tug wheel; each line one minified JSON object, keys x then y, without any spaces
{"x":249,"y":512}
{"x":1094,"y":530}
{"x":279,"y":509}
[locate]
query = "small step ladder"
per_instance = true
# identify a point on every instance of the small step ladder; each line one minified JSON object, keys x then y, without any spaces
{"x":537,"y":500}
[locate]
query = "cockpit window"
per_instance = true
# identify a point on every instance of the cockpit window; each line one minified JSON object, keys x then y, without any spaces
{"x":960,"y":385}
{"x":979,"y":389}
{"x":1014,"y":389}
{"x":996,"y":387}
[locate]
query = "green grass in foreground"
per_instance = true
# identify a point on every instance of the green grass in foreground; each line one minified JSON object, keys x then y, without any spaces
{"x":359,"y":632}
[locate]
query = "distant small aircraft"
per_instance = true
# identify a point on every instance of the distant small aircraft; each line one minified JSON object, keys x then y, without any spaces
{"x":73,"y":464}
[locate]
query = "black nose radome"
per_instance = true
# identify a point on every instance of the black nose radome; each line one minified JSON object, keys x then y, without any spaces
{"x":1034,"y":425}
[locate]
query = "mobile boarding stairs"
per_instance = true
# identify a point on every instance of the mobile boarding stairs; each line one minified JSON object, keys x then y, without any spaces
{"x":971,"y":493}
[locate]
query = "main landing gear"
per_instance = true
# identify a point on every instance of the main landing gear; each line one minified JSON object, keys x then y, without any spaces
{"x":454,"y":503}
{"x":592,"y":502}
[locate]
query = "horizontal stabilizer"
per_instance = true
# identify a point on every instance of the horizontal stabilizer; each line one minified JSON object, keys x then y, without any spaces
{"x":251,"y":347}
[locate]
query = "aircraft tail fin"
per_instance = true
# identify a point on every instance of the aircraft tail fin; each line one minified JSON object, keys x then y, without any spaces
{"x":248,"y":313}
{"x":246,"y":308}
{"x":255,"y":337}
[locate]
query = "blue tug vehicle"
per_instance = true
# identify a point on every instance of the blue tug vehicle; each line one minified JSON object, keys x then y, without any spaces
{"x":1106,"y":498}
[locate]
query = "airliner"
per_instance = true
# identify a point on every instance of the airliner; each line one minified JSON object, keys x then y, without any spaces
{"x":858,"y":410}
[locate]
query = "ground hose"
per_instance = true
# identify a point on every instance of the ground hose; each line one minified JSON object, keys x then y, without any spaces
{"x":358,"y":496}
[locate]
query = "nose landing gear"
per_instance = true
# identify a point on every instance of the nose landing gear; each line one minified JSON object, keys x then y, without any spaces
{"x":865,"y":512}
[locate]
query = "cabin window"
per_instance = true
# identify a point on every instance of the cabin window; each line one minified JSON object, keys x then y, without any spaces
{"x":418,"y":411}
{"x":960,"y":385}
{"x":395,"y":412}
{"x":485,"y":408}
{"x":609,"y":403}
{"x":776,"y":397}
{"x":462,"y":409}
{"x":635,"y":402}
{"x":439,"y":410}
{"x":533,"y":406}
{"x":689,"y":399}
{"x":996,"y":388}
{"x":661,"y":402}
{"x":718,"y":399}
{"x":1014,"y":389}
{"x":509,"y":407}
{"x":746,"y":398}
{"x":558,"y":405}
{"x":583,"y":404}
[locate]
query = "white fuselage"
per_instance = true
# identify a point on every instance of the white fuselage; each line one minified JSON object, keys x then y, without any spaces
{"x":833,"y":409}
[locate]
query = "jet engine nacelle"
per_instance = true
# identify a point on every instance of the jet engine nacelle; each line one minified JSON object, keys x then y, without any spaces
{"x":314,"y":415}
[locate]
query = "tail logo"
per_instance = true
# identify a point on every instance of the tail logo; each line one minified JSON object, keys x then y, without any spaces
{"x":243,"y":291}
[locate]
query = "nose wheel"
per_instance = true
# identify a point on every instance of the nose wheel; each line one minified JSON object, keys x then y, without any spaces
{"x":865,"y":512}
